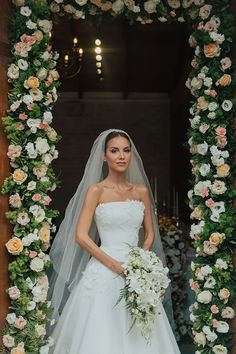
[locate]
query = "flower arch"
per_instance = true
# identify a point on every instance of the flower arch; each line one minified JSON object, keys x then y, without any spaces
{"x":34,"y":80}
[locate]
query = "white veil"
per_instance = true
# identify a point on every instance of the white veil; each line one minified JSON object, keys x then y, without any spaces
{"x":68,"y":258}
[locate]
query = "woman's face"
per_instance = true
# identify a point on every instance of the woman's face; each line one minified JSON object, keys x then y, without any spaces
{"x":118,"y":153}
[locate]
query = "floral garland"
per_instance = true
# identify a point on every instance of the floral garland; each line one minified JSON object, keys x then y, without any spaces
{"x":175,"y":248}
{"x":34,"y":79}
{"x":212,"y":145}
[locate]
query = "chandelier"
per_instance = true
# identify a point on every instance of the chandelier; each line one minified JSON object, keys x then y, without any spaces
{"x":70,"y":60}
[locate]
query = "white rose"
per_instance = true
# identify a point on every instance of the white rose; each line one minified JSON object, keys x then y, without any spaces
{"x":13,"y":71}
{"x":36,"y":94}
{"x":42,"y":73}
{"x":8,"y":341}
{"x":204,"y":127}
{"x":33,"y":124}
{"x":210,"y":283}
{"x":27,"y":99}
{"x":38,"y":212}
{"x":32,"y":153}
{"x":40,"y":330}
{"x":23,"y":218}
{"x":11,"y":317}
{"x":204,"y":297}
{"x":200,"y":339}
{"x":228,"y":312}
{"x":175,"y":4}
{"x":22,"y":64}
{"x":37,"y":264}
{"x":47,"y":117}
{"x":81,"y":2}
{"x":25,"y":11}
{"x":202,"y":148}
{"x":31,"y":186}
{"x":220,"y":264}
{"x":219,"y":349}
{"x":218,"y":187}
{"x":227,"y":105}
{"x":211,"y":115}
{"x":196,"y":83}
{"x":204,"y":169}
{"x":45,"y":25}
{"x":31,"y":305}
{"x":223,"y":327}
{"x":213,"y":106}
{"x":41,"y":145}
{"x":46,"y":56}
{"x":30,"y":24}
{"x":150,"y":6}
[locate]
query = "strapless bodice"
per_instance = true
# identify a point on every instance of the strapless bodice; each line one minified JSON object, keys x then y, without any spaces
{"x":119,"y":222}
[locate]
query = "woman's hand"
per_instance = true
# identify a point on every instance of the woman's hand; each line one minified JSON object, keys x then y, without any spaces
{"x":116,"y":267}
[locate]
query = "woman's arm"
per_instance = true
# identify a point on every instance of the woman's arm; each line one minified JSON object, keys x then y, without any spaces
{"x":148,"y":225}
{"x":83,"y":225}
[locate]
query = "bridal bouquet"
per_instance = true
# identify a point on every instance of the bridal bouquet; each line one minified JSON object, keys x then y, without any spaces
{"x":145,"y":283}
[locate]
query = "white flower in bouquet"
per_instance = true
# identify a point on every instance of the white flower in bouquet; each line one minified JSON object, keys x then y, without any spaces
{"x":219,"y":349}
{"x":37,"y":264}
{"x":145,"y":283}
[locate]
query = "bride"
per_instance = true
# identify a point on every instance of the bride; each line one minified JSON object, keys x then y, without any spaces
{"x":112,"y":207}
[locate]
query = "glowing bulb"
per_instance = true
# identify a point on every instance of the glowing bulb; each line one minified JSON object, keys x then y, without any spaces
{"x":98,"y":57}
{"x":75,"y":41}
{"x":98,"y":65}
{"x":97,"y":42}
{"x":50,"y":34}
{"x":98,"y":50}
{"x":99,"y":71}
{"x":81,"y":51}
{"x":66,"y":58}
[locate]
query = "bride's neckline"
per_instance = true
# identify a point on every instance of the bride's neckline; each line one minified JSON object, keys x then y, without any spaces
{"x":121,"y":201}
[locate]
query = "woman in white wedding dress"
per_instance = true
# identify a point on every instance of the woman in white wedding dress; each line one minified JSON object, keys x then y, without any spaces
{"x":88,"y":319}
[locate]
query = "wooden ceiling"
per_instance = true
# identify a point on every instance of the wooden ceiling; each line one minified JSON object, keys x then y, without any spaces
{"x":136,"y":58}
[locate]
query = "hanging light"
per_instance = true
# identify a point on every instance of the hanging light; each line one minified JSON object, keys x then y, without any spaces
{"x":70,"y":63}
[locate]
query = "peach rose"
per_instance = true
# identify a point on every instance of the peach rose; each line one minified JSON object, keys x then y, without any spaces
{"x":211,"y":50}
{"x":223,"y":170}
{"x":19,"y":126}
{"x":96,"y":2}
{"x":19,"y":176}
{"x":202,"y":103}
{"x":44,"y":234}
{"x":196,"y":214}
{"x":54,"y":7}
{"x":19,"y":349}
{"x":224,"y":81}
{"x":106,"y":6}
{"x":212,"y":93}
{"x":38,"y":35}
{"x":20,"y":322}
{"x":14,"y":246}
{"x":224,"y":294}
{"x":19,"y":2}
{"x":215,"y":323}
{"x":221,"y":141}
{"x":216,"y":238}
{"x":32,"y":254}
{"x":32,"y":82}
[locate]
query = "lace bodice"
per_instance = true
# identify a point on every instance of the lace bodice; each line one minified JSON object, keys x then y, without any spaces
{"x":119,"y":222}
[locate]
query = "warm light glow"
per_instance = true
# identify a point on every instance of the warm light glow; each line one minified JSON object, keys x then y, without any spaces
{"x":99,"y":71}
{"x":98,"y":57}
{"x":81,"y":51}
{"x":50,"y":34}
{"x":98,"y":65}
{"x":98,"y":42}
{"x":98,"y":50}
{"x":75,"y":40}
{"x":66,"y":58}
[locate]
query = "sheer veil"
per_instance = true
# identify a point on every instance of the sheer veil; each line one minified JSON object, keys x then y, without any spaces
{"x":68,"y":258}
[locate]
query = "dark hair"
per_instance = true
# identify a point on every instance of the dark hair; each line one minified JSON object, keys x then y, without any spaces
{"x":114,"y":134}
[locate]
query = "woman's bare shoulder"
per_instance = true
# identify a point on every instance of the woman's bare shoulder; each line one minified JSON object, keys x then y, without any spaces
{"x":141,"y":188}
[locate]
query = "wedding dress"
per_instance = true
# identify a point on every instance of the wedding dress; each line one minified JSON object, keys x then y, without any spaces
{"x":91,"y":322}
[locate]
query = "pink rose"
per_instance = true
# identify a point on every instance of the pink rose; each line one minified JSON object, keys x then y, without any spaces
{"x":32,"y":254}
{"x":212,"y":93}
{"x":220,"y":131}
{"x":210,"y":203}
{"x":228,"y":312}
{"x":30,"y":106}
{"x":47,"y":200}
{"x":214,"y":309}
{"x":226,"y":63}
{"x":23,"y":116}
{"x":20,"y":322}
{"x":36,"y":197}
{"x":27,"y":39}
